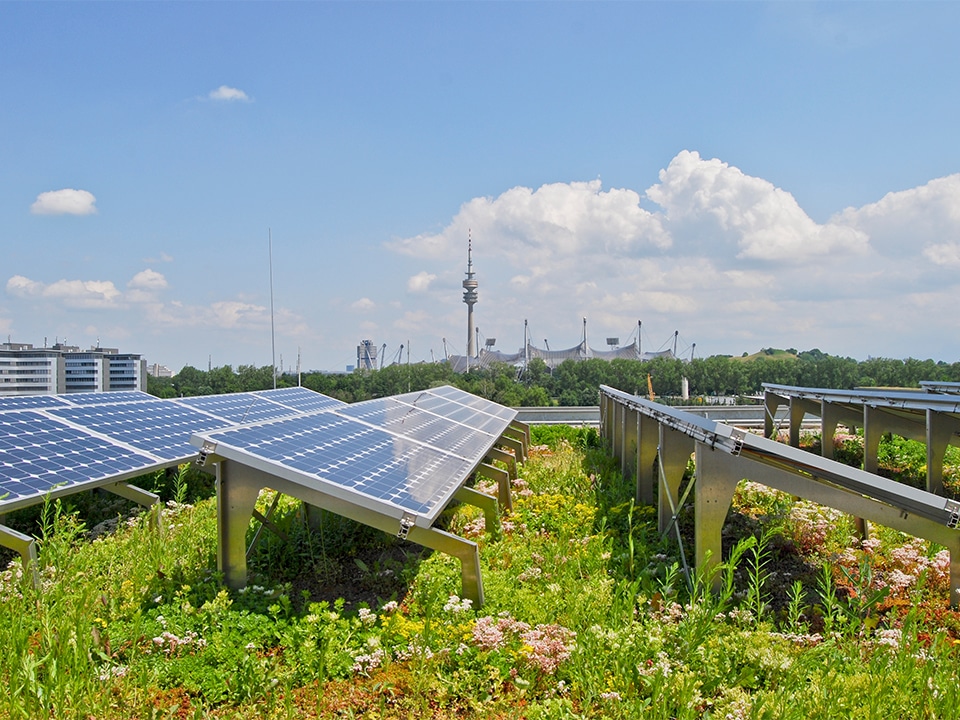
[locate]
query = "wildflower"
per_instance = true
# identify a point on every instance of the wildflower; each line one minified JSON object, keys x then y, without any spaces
{"x":889,"y":637}
{"x":363,"y":664}
{"x":613,"y":695}
{"x":366,"y":617}
{"x":455,"y":605}
{"x":390,"y":607}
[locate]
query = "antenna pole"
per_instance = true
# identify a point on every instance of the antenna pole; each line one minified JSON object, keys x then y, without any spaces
{"x":273,"y":336}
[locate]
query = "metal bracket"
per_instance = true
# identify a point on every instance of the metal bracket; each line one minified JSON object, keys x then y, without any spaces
{"x":737,"y":437}
{"x":207,"y":449}
{"x":406,"y":522}
{"x":953,"y":507}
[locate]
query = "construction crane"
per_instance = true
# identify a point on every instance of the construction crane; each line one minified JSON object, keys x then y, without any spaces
{"x":650,"y":387}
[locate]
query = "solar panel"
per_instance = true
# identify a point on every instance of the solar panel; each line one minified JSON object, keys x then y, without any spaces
{"x":300,"y":398}
{"x":449,"y":434}
{"x":340,"y":454}
{"x":107,"y":398}
{"x":20,"y":402}
{"x":462,"y":397}
{"x":39,"y":454}
{"x":238,"y":408}
{"x":160,"y":427}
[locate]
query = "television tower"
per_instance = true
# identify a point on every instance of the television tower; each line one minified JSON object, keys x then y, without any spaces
{"x":470,"y":298}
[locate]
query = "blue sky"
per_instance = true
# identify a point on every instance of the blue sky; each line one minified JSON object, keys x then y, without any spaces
{"x":748,"y":174}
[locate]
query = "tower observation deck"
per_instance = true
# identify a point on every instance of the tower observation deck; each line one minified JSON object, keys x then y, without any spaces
{"x":470,"y":297}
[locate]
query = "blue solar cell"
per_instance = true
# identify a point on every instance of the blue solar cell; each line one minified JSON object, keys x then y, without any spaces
{"x":342,"y":452}
{"x":107,"y":398}
{"x":46,"y":457}
{"x":435,"y":430}
{"x":23,"y":402}
{"x":160,"y":427}
{"x":239,"y":407}
{"x":300,"y":398}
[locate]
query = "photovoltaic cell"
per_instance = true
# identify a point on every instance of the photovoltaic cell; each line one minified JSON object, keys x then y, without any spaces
{"x":160,"y":427}
{"x":238,"y":408}
{"x":299,"y":398}
{"x":344,"y":453}
{"x":424,"y":426}
{"x":39,"y":454}
{"x":21,"y":402}
{"x":107,"y":398}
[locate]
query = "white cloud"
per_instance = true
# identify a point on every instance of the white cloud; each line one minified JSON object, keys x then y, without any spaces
{"x":946,"y":254}
{"x":148,"y":280}
{"x":228,"y":94}
{"x":922,"y":220}
{"x":363,"y":305}
{"x":69,"y":293}
{"x":560,"y":219}
{"x":726,"y":258}
{"x":764,"y":222}
{"x":420,"y":282}
{"x":64,"y":202}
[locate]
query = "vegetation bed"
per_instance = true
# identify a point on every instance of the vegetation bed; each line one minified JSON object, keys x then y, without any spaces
{"x":589,"y":614}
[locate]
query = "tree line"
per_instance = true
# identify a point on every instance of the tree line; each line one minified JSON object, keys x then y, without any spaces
{"x":577,"y":382}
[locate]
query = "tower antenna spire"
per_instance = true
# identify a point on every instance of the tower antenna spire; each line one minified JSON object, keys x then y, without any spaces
{"x":470,"y":297}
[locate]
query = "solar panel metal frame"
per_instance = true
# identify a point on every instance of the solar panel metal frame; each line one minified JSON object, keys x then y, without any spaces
{"x":67,"y":412}
{"x":792,"y":470}
{"x":234,"y":444}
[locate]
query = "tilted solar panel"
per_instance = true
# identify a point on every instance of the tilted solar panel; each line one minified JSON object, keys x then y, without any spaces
{"x":160,"y":427}
{"x":107,"y":398}
{"x":459,"y":437}
{"x":341,"y":454}
{"x":21,"y":402}
{"x":39,"y":454}
{"x":238,"y":408}
{"x":300,"y":398}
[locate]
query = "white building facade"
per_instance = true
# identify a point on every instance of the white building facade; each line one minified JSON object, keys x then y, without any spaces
{"x":25,"y":370}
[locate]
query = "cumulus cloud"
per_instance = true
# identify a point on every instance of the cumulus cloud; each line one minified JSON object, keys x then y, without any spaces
{"x":707,"y":248}
{"x":920,"y":220}
{"x":70,"y":293}
{"x":64,"y":202}
{"x":559,"y":219}
{"x":229,"y":94}
{"x":420,"y":282}
{"x":148,"y":280}
{"x":363,"y":305}
{"x":763,"y":222}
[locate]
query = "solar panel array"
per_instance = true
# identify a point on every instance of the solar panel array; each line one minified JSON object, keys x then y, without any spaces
{"x":408,"y":453}
{"x":57,"y":444}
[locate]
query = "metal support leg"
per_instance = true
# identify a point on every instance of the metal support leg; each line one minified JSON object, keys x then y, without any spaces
{"x":520,"y":432}
{"x":940,"y":430}
{"x":508,"y":459}
{"x":648,"y":431}
{"x":26,"y":546}
{"x":237,"y":490}
{"x":771,"y":402}
{"x":504,"y":496}
{"x":487,"y":503}
{"x":142,"y":497}
{"x":675,"y":449}
{"x":628,"y":460}
{"x":717,"y":476}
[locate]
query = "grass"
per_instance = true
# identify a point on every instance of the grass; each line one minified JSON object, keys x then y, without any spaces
{"x":588,"y":615}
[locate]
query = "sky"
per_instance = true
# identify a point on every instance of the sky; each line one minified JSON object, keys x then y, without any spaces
{"x":733,"y":175}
